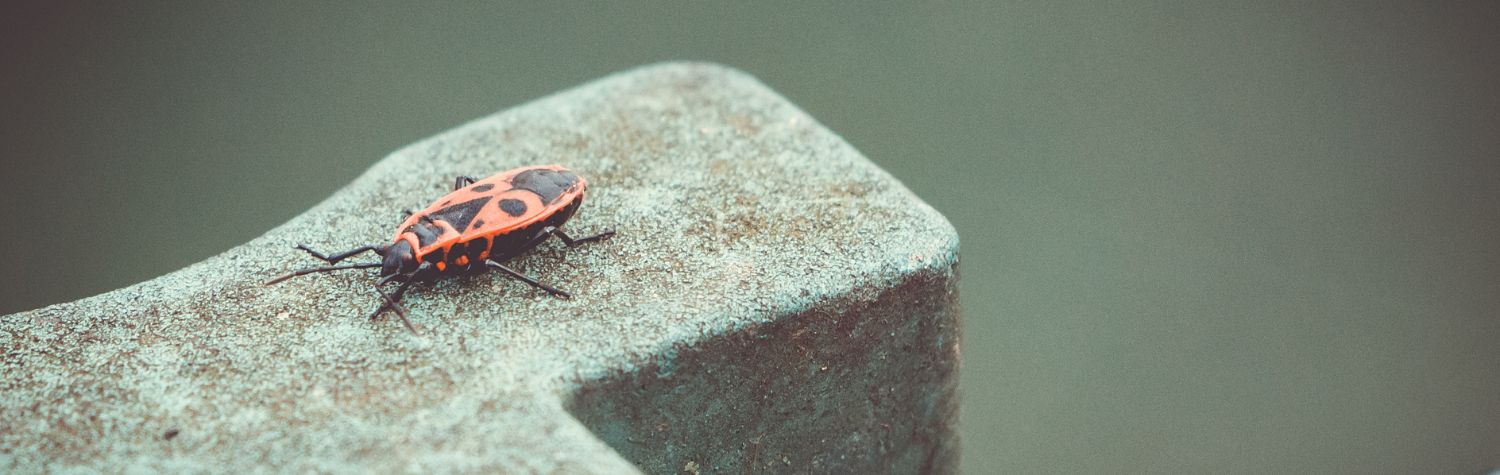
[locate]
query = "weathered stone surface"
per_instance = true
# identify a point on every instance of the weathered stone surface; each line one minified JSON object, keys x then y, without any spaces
{"x":773,"y":300}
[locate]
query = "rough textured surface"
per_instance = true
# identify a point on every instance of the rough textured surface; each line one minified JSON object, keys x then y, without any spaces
{"x":771,"y":297}
{"x":850,"y":385}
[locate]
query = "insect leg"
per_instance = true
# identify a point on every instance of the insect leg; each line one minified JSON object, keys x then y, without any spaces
{"x":574,"y":242}
{"x":401,"y":290}
{"x":523,"y":278}
{"x":395,"y":298}
{"x":311,"y":270}
{"x":463,"y":181}
{"x":395,"y":306}
{"x":334,"y":259}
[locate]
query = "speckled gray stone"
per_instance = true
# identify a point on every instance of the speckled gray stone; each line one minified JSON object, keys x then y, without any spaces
{"x":773,"y":301}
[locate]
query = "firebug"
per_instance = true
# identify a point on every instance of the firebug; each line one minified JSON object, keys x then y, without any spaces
{"x":475,"y":228}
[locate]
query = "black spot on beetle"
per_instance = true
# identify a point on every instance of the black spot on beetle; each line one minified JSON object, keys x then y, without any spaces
{"x":426,"y":233}
{"x":461,"y":214}
{"x":485,"y":187}
{"x":547,"y":184}
{"x":477,"y":224}
{"x":513,"y":207}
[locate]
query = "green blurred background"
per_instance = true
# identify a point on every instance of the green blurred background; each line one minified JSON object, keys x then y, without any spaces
{"x":1254,"y":238}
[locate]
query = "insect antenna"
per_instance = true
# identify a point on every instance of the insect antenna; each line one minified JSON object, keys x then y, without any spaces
{"x":312,"y":270}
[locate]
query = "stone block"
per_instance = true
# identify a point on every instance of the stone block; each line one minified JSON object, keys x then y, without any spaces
{"x":773,"y":302}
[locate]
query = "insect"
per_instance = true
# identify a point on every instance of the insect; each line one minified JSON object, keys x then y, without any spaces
{"x":474,"y":228}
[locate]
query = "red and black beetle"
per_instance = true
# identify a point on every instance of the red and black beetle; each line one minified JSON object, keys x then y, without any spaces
{"x":479,"y":225}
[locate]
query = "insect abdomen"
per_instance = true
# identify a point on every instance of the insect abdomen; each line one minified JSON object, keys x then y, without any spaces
{"x":516,"y":241}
